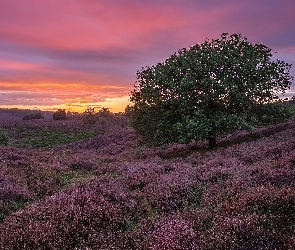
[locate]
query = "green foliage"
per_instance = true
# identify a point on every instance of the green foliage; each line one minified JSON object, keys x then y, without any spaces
{"x":60,"y":114}
{"x":271,"y":113}
{"x":33,"y":116}
{"x":4,"y":138}
{"x":207,"y":90}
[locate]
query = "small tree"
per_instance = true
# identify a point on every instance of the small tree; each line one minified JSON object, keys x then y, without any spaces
{"x":207,"y":90}
{"x":104,"y":112}
{"x":60,"y":114}
{"x":89,"y":116}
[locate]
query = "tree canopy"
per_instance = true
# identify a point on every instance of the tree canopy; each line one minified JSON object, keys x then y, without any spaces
{"x":209,"y":89}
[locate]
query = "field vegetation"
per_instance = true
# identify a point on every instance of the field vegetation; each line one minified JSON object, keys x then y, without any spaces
{"x":67,"y":184}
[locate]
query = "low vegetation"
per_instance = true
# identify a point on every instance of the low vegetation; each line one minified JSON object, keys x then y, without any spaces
{"x":108,"y":192}
{"x":33,"y":116}
{"x":86,"y":182}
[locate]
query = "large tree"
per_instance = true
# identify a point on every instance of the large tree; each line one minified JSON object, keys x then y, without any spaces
{"x":207,"y":90}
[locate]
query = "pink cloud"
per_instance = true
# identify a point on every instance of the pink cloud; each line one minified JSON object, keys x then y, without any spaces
{"x":92,"y":49}
{"x":133,"y":24}
{"x":16,"y":65}
{"x":76,"y":24}
{"x":103,"y":25}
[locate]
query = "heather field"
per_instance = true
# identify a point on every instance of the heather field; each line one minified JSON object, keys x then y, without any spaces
{"x":70,"y":185}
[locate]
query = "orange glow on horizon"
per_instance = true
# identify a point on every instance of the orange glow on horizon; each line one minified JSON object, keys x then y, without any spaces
{"x":117,"y":104}
{"x":70,"y":96}
{"x":79,"y":54}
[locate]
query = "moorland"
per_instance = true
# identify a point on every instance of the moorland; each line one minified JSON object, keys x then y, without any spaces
{"x":65,"y":184}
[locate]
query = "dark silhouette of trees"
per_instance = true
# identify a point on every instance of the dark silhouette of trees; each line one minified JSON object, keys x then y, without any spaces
{"x":60,"y":114}
{"x":33,"y":116}
{"x":104,"y":112}
{"x":89,"y":116}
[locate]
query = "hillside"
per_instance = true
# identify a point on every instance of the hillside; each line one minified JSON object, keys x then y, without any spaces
{"x":108,"y":192}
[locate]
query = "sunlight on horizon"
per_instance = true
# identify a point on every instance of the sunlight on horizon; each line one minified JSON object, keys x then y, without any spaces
{"x":115,"y":105}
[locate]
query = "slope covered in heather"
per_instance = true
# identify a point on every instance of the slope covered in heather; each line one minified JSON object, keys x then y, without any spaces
{"x":107,"y":192}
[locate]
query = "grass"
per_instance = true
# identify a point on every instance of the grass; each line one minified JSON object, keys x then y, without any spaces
{"x":36,"y":137}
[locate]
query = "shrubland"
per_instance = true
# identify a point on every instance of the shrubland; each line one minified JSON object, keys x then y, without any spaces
{"x":105,"y":191}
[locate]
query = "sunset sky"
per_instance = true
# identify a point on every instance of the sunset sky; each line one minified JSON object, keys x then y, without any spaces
{"x":75,"y":54}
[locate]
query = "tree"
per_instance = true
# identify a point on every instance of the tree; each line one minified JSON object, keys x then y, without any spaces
{"x":209,"y":89}
{"x":89,"y":116}
{"x":105,"y":112}
{"x":60,"y":114}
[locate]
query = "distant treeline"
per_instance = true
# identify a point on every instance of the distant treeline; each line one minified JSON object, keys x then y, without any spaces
{"x":20,"y":113}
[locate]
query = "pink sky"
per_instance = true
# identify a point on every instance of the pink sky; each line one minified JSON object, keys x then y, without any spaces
{"x":75,"y":54}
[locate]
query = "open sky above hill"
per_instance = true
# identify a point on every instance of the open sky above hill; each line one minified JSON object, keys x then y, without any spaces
{"x":74,"y":54}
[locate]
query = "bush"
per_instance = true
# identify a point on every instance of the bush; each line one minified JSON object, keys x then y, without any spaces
{"x":271,"y":113}
{"x":33,"y":116}
{"x":89,"y":116}
{"x":60,"y":114}
{"x":104,"y":112}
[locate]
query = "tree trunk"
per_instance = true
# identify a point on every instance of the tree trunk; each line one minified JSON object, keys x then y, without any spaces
{"x":212,"y":142}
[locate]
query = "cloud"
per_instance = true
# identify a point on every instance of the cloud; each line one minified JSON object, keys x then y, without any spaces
{"x":92,"y":49}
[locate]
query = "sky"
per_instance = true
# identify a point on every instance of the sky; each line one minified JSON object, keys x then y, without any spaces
{"x":75,"y":54}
